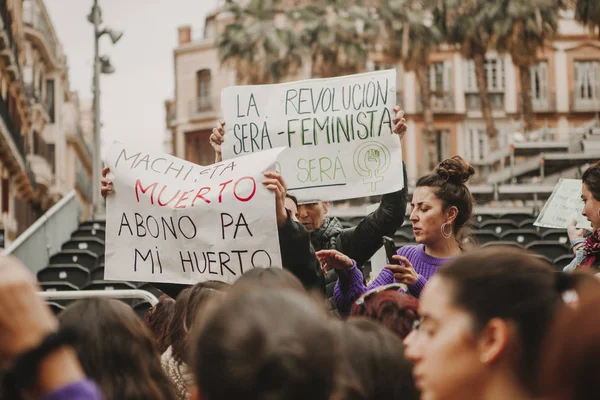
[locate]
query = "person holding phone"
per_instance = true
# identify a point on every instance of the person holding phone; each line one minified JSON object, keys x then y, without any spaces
{"x":441,"y":211}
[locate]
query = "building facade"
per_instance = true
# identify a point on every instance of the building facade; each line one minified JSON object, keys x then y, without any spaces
{"x":565,"y":87}
{"x":37,"y":139}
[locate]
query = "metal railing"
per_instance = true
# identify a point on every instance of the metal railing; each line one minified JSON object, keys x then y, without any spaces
{"x":582,"y":104}
{"x":202,"y":105}
{"x":35,"y":18}
{"x":16,"y":136}
{"x":83,"y":182}
{"x":441,"y":102}
{"x":45,"y":237}
{"x":473,"y":101}
{"x":106,"y":294}
{"x":6,"y":21}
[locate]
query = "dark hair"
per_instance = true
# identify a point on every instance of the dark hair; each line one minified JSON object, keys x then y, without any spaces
{"x":271,"y":278}
{"x":293,"y":198}
{"x":116,"y":350}
{"x":374,"y":366}
{"x":395,"y":310}
{"x":269,"y":344}
{"x":198,"y":294}
{"x":157,"y":320}
{"x":450,"y":177}
{"x":571,"y":357}
{"x":177,"y":333}
{"x":591,"y":178}
{"x":513,"y":285}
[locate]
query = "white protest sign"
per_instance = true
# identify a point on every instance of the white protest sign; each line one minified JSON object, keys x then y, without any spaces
{"x":169,"y":220}
{"x":563,"y":206}
{"x":338,"y":131}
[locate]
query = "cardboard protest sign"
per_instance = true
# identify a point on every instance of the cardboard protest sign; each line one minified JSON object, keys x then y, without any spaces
{"x":338,"y":131}
{"x":563,"y":206}
{"x":169,"y":220}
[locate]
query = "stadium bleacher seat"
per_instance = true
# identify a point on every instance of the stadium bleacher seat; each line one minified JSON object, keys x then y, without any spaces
{"x":56,"y":308}
{"x":88,"y":231}
{"x":481,"y":218}
{"x":141,"y":308}
{"x":85,"y":258}
{"x":109,"y":285}
{"x":499,"y":225}
{"x":483,"y":236}
{"x":521,"y":236}
{"x":527,"y":224}
{"x":97,"y":273}
{"x":517,"y":217}
{"x":561,"y":262}
{"x":57,"y":286}
{"x":550,"y":249}
{"x":558,"y":236}
{"x":72,"y":273}
{"x":93,"y":244}
{"x":502,"y":243}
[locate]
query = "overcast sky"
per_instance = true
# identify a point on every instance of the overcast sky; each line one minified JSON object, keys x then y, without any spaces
{"x":132,"y":98}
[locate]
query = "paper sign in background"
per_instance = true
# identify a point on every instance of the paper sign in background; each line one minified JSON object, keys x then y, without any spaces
{"x":338,"y":131}
{"x":564,"y":206}
{"x":169,"y":220}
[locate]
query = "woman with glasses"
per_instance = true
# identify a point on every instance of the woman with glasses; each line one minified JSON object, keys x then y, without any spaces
{"x":485,"y":316}
{"x":441,"y":210}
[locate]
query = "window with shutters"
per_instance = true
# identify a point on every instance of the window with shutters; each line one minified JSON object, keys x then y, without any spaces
{"x":203,"y":90}
{"x":587,"y":84}
{"x":494,"y":75}
{"x":442,"y":139}
{"x":477,"y":144}
{"x":539,"y":86}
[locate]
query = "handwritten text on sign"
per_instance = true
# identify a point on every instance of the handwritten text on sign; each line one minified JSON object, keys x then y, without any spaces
{"x":564,"y":206}
{"x":338,"y":131}
{"x":173,"y":221}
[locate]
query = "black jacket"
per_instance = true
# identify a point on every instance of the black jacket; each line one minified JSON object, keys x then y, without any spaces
{"x":362,"y":241}
{"x":298,"y":255}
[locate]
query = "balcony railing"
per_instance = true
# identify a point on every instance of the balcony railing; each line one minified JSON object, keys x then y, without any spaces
{"x":12,"y":44}
{"x":545,"y":104}
{"x":16,"y":136}
{"x":441,"y":102}
{"x":580,"y":104}
{"x":473,"y":101}
{"x":201,"y":106}
{"x":43,"y":149}
{"x":35,"y":18}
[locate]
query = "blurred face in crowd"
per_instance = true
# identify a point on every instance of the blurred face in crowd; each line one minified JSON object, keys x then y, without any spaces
{"x":443,"y":348}
{"x":591,"y":208}
{"x":291,"y":207}
{"x":427,"y":215}
{"x":312,"y":215}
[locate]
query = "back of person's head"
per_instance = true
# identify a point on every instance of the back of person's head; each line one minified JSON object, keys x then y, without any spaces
{"x":197,"y":296}
{"x":449,"y":179}
{"x":177,"y":332}
{"x":395,"y":310}
{"x":273,"y":344}
{"x":374,"y":366}
{"x":116,"y":350}
{"x":157,"y":320}
{"x":269,"y":278}
{"x":507,"y":285}
{"x":570,"y":363}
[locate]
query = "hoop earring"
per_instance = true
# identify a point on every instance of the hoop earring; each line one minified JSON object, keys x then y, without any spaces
{"x":443,"y":229}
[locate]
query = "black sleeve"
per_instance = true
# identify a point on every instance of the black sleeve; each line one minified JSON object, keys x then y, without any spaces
{"x":298,"y":254}
{"x":363,"y":240}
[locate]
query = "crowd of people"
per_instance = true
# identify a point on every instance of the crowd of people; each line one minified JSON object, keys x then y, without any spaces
{"x":444,"y":320}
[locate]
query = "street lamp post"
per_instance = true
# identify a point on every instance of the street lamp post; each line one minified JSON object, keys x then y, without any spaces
{"x":101,"y":65}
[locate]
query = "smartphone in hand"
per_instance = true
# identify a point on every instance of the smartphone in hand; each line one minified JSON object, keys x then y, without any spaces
{"x":390,"y":250}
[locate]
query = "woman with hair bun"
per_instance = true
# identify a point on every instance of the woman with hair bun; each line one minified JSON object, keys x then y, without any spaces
{"x":441,"y":211}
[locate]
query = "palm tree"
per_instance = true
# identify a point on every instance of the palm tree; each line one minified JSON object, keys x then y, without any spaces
{"x":411,"y":37}
{"x":521,"y":30}
{"x":588,"y":13}
{"x":258,"y":45}
{"x":337,"y":36}
{"x":468,"y":24}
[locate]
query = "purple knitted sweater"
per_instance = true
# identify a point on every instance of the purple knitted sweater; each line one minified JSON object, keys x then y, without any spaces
{"x":350,"y":286}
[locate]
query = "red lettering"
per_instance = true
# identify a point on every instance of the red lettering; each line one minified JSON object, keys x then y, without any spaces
{"x":200,"y":195}
{"x":245,"y":199}
{"x":183,"y":198}
{"x":223,"y":188}
{"x":160,"y":203}
{"x":138,"y":185}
